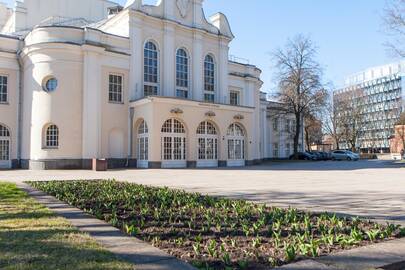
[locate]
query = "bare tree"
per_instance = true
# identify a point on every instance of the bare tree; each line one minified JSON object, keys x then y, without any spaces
{"x":299,"y":81}
{"x":394,"y":18}
{"x":351,"y":116}
{"x":331,"y":124}
{"x":312,"y":130}
{"x":400,"y":129}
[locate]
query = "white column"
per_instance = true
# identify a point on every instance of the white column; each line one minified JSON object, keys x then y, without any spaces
{"x":168,"y":63}
{"x":197,"y":91}
{"x":223,"y":84}
{"x":91,"y":147}
{"x":136,"y":70}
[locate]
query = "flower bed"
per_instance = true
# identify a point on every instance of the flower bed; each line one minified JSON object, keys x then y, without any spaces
{"x":217,"y":233}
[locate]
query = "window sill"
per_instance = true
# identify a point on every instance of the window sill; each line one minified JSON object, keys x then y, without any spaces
{"x":4,"y":103}
{"x":116,"y":102}
{"x":50,"y":148}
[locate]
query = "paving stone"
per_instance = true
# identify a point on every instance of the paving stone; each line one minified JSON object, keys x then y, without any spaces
{"x":307,"y":265}
{"x":142,"y":254}
{"x":368,"y":257}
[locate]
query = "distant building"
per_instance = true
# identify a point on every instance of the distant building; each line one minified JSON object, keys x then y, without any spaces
{"x":380,"y":94}
{"x":280,"y":130}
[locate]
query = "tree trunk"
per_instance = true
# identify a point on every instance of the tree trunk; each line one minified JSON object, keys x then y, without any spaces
{"x":337,"y":143}
{"x":297,"y":134}
{"x":307,"y":139}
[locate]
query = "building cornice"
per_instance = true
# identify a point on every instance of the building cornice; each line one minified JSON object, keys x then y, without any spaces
{"x":180,"y":101}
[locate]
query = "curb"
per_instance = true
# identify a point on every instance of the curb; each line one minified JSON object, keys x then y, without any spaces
{"x":141,"y":254}
{"x":388,"y":255}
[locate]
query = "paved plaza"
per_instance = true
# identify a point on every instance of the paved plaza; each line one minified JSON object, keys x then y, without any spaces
{"x":365,"y":188}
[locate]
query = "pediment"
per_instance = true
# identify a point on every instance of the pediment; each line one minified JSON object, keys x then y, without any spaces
{"x":186,"y":12}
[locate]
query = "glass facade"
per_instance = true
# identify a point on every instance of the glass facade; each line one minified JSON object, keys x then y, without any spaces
{"x":380,"y":103}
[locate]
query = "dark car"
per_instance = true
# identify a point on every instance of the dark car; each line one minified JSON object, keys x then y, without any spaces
{"x":316,"y":155}
{"x":324,"y":156}
{"x":303,"y":156}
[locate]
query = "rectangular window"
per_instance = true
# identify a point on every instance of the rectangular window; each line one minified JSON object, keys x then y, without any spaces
{"x":150,"y":90}
{"x":182,"y":93}
{"x":115,"y":88}
{"x":275,"y":124}
{"x":287,"y":150}
{"x":287,"y":125}
{"x":275,"y":150}
{"x":209,"y":98}
{"x":234,"y":98}
{"x":4,"y":150}
{"x":3,"y":89}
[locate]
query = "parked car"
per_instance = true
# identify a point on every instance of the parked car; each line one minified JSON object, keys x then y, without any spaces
{"x":322,"y":156}
{"x":344,"y":155}
{"x":303,"y":156}
{"x":316,"y":155}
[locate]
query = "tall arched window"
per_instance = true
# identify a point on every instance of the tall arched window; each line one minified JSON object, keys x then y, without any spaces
{"x":173,"y":144}
{"x":182,"y":74}
{"x":151,"y":70}
{"x":236,"y":145}
{"x":143,"y":145}
{"x":5,"y":160}
{"x":209,"y":79}
{"x":52,"y":136}
{"x":207,"y":137}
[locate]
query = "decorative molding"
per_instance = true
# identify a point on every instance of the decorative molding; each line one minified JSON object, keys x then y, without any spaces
{"x":238,"y":117}
{"x":210,"y":114}
{"x":183,"y":6}
{"x":176,"y":111}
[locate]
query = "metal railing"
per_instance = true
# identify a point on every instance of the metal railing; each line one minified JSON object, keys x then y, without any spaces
{"x":236,"y":59}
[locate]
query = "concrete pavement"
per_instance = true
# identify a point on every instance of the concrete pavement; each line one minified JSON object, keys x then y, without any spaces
{"x":365,"y":188}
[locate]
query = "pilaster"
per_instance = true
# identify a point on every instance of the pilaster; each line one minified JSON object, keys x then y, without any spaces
{"x":197,"y":92}
{"x":169,"y":67}
{"x":91,"y":145}
{"x":223,"y":72}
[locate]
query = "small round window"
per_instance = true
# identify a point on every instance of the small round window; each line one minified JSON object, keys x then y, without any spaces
{"x":50,"y":84}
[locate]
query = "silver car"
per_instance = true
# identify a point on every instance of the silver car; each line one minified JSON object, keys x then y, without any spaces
{"x":344,"y":155}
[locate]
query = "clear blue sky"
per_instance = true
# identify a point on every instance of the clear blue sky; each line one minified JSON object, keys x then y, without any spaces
{"x":347,"y":32}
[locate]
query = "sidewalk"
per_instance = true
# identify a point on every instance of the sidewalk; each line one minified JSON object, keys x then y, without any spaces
{"x":141,"y":254}
{"x":387,"y":255}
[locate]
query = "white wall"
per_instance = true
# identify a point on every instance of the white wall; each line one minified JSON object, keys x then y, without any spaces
{"x":31,"y":12}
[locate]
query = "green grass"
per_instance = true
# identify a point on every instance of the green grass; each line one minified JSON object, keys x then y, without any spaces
{"x":32,"y":237}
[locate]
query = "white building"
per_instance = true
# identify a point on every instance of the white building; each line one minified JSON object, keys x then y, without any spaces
{"x":140,"y":85}
{"x":380,"y":92}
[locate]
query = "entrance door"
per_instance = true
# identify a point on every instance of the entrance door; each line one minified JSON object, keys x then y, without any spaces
{"x":5,"y":159}
{"x":143,"y":146}
{"x":207,"y":145}
{"x":236,"y":146}
{"x":173,"y":144}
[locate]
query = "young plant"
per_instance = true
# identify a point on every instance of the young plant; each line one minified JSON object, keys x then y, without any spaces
{"x":290,"y":251}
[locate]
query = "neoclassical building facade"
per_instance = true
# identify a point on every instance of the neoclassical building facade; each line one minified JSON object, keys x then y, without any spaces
{"x":145,"y":86}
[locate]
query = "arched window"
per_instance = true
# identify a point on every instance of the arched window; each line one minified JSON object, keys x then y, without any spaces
{"x":235,"y":130}
{"x":151,"y":70}
{"x":182,"y":74}
{"x":207,"y":137}
{"x":4,"y":132}
{"x":52,"y":136}
{"x":173,"y":142}
{"x":209,"y":79}
{"x":143,"y":145}
{"x":5,"y":161}
{"x":236,"y":145}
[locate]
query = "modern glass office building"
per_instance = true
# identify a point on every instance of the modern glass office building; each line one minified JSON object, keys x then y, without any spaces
{"x":379,"y":95}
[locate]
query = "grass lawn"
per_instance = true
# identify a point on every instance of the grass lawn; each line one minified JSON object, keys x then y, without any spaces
{"x":32,"y":237}
{"x":217,"y":233}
